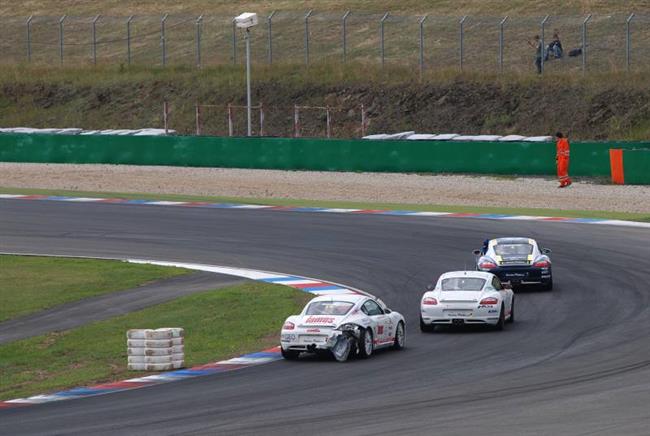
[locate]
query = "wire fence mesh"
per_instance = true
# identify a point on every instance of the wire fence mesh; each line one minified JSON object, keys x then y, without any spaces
{"x":473,"y":43}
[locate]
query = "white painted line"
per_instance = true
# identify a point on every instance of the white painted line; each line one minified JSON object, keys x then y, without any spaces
{"x":429,"y":214}
{"x":11,"y":195}
{"x":247,"y":360}
{"x":341,"y":210}
{"x":167,"y":203}
{"x":84,"y":199}
{"x":249,"y":206}
{"x":293,"y":282}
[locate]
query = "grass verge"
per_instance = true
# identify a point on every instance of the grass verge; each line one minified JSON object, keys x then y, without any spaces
{"x":629,"y":216}
{"x":218,"y":324}
{"x":30,"y":284}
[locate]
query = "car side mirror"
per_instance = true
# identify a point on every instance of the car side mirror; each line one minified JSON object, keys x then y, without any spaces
{"x":546,"y":251}
{"x":476,"y":252}
{"x":387,"y":311}
{"x":430,"y":287}
{"x":506,"y":285}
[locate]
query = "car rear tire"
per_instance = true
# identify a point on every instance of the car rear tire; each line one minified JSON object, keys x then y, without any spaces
{"x":290,"y":354}
{"x":548,"y":286}
{"x":366,"y":344}
{"x":400,"y":336}
{"x":426,"y":328}
{"x":502,"y":315}
{"x":512,"y":312}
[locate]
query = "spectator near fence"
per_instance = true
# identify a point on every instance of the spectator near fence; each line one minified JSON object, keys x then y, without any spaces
{"x":555,"y":49}
{"x":536,"y":43}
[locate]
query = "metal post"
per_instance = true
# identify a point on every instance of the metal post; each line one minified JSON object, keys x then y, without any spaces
{"x":199,"y":28}
{"x":501,"y":46}
{"x":29,"y":38}
{"x":345,"y":35}
{"x":61,"y":20}
{"x":248,"y":79}
{"x":422,"y":20}
{"x":462,"y":40}
{"x":628,"y":42}
{"x":128,"y":40}
{"x":584,"y":43}
{"x":296,"y":121}
{"x":307,"y":37}
{"x":163,"y":41}
{"x":166,"y":116}
{"x":328,"y":130}
{"x":270,"y":30}
{"x":230,"y":126}
{"x":363,"y":121}
{"x":198,"y":118}
{"x":234,"y":42}
{"x":381,"y":37}
{"x":95,"y":39}
{"x":543,"y":49}
{"x":261,"y":119}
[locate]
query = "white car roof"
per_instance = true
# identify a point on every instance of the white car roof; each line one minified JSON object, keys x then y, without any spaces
{"x":476,"y":274}
{"x":512,"y":240}
{"x":351,"y":298}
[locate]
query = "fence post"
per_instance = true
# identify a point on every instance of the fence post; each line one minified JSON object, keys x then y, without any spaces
{"x":269,"y":22}
{"x":584,"y":43}
{"x":328,"y":130}
{"x":29,"y":38}
{"x":166,"y":116}
{"x":128,"y":40}
{"x":198,"y":118}
{"x":345,"y":35}
{"x":234,"y":42}
{"x":307,"y":37}
{"x":163,"y":41}
{"x":543,"y":49}
{"x":95,"y":39}
{"x":230,"y":127}
{"x":296,"y":121}
{"x":199,"y":28}
{"x":381,"y":37}
{"x":462,"y":40}
{"x":261,"y":119}
{"x":501,"y":46}
{"x":422,"y":20}
{"x":363,"y":121}
{"x":628,"y":42}
{"x":61,"y":20}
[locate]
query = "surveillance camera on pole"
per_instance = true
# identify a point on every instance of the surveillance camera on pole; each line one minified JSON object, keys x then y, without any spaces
{"x":246,"y":21}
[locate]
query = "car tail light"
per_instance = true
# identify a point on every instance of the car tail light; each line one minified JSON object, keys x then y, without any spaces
{"x":542,"y":264}
{"x":487,"y":265}
{"x":430,"y":301}
{"x":288,"y":326}
{"x":489,"y":301}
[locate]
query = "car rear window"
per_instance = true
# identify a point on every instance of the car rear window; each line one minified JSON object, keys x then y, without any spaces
{"x":513,"y":249}
{"x":329,"y":308}
{"x":462,"y":284}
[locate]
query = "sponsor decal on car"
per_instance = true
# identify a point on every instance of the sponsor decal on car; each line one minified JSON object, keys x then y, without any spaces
{"x":319,"y":319}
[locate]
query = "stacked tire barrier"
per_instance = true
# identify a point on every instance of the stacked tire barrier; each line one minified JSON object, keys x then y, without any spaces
{"x":161,"y":349}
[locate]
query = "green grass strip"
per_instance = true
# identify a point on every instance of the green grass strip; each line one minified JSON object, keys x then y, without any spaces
{"x":29,"y":284}
{"x":218,"y":324}
{"x":629,"y":216}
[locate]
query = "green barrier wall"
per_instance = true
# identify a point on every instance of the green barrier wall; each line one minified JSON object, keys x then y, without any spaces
{"x":636,"y":165}
{"x":587,"y":158}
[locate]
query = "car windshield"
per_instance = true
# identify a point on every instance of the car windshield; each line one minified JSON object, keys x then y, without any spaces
{"x":329,"y":308}
{"x":462,"y":284}
{"x":513,"y":249}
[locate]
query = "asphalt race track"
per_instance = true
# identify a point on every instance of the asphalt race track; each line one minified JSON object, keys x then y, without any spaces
{"x":576,"y":361}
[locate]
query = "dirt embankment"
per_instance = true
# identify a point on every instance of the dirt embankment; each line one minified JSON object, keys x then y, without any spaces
{"x":527,"y":107}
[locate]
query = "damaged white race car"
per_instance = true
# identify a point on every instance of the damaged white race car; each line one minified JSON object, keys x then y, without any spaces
{"x":342,"y":325}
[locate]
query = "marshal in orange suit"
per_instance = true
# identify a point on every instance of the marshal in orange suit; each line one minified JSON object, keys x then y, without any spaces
{"x":562,"y":160}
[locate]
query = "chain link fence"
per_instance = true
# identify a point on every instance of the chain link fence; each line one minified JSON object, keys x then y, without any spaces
{"x":474,"y":43}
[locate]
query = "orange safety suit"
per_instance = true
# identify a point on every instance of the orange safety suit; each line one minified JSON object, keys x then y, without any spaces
{"x":562,"y":158}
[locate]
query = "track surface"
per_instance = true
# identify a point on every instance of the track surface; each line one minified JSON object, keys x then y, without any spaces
{"x":577,"y":361}
{"x":75,"y":314}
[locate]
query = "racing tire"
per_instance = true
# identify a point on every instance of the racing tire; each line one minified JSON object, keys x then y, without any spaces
{"x":548,"y":286}
{"x":290,"y":354}
{"x":400,"y":336}
{"x":366,"y":344}
{"x":427,"y":328}
{"x":512,"y":313}
{"x":502,"y":319}
{"x":342,"y":349}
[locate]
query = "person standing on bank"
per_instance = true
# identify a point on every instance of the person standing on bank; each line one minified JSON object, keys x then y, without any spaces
{"x":536,"y":43}
{"x":562,"y":160}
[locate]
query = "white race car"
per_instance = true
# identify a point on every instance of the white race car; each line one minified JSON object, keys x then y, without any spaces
{"x":342,"y":325}
{"x":467,"y":297}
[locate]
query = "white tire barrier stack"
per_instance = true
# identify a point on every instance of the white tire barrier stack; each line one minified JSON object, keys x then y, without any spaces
{"x":155,"y":350}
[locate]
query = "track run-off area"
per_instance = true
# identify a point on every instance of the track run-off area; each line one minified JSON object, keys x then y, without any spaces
{"x":576,"y":361}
